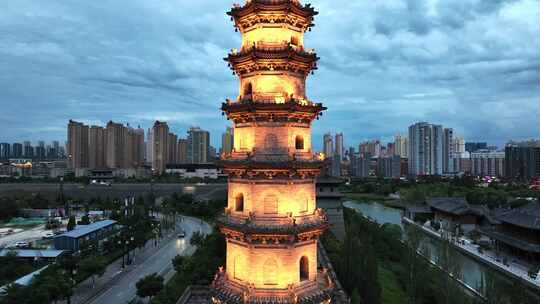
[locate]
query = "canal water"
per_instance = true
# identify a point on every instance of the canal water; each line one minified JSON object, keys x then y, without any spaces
{"x":471,"y":270}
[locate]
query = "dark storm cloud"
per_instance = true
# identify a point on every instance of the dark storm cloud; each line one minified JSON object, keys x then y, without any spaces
{"x":469,"y":64}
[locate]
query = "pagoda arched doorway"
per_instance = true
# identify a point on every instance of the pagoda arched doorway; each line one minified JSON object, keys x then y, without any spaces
{"x":299,"y":142}
{"x":239,"y":202}
{"x":304,"y":269}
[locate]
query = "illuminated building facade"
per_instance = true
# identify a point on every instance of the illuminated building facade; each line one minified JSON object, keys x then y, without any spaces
{"x":271,"y":222}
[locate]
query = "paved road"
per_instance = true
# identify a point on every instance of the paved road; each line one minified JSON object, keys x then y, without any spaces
{"x":121,"y":288}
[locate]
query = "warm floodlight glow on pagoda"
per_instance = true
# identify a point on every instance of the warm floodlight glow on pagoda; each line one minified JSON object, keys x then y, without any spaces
{"x":271,"y":222}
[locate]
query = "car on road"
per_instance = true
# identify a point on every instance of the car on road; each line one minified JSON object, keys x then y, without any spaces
{"x":22,"y":244}
{"x":48,"y":235}
{"x":181,"y":234}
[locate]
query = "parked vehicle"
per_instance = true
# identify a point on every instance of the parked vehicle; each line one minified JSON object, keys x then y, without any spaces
{"x":48,"y":236}
{"x":22,"y":244}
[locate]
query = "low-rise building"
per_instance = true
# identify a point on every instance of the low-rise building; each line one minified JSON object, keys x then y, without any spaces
{"x":34,"y":254}
{"x":518,"y":232}
{"x":202,"y":171}
{"x":455,"y":213}
{"x":84,"y":235}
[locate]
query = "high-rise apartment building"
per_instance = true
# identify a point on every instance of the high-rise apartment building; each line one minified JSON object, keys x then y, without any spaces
{"x":116,"y":145}
{"x":198,"y":146}
{"x":17,"y":150}
{"x":372,"y":147}
{"x":182,"y":151}
{"x":487,"y":163}
{"x":227,"y":141}
{"x":97,"y":147}
{"x":475,"y":146}
{"x":150,"y":146}
{"x":448,"y":150}
{"x":389,"y":167}
{"x":398,"y":145}
{"x":328,"y":145}
{"x":362,"y":165}
{"x":458,"y":145}
{"x":5,"y":150}
{"x":39,"y":150}
{"x":77,"y":145}
{"x":160,"y":152}
{"x":134,"y":147}
{"x":173,"y":149}
{"x":56,"y":149}
{"x":28,"y":150}
{"x":339,"y":145}
{"x":522,"y":160}
{"x":425,"y":149}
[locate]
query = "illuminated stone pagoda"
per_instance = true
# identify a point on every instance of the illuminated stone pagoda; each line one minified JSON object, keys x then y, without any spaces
{"x":271,"y":222}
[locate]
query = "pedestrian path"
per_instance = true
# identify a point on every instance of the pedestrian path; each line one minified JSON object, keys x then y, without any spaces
{"x":488,"y":257}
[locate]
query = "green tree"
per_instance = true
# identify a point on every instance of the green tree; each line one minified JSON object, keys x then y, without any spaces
{"x":178,"y":263}
{"x":149,"y":286}
{"x":13,"y":294}
{"x":196,"y":239}
{"x":93,"y":266}
{"x":71,"y":223}
{"x":416,"y":269}
{"x":85,"y":220}
{"x":355,"y":297}
{"x":449,"y":291}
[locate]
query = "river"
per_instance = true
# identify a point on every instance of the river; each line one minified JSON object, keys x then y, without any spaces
{"x":472,"y":271}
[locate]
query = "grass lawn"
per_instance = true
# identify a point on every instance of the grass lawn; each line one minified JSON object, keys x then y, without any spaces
{"x":392,"y":292}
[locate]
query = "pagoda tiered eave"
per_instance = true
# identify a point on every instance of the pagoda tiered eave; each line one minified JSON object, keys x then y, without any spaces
{"x":275,"y":57}
{"x":273,"y":11}
{"x":273,"y":231}
{"x":230,"y":290}
{"x":268,"y":110}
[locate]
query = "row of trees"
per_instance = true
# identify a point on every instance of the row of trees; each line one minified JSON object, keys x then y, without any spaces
{"x":418,"y":191}
{"x":370,"y":250}
{"x":198,"y":269}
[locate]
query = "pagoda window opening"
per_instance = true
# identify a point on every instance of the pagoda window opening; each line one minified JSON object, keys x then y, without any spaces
{"x":239,"y":203}
{"x":304,"y":269}
{"x":270,"y":204}
{"x":299,"y":142}
{"x":248,"y":91}
{"x":270,"y":272}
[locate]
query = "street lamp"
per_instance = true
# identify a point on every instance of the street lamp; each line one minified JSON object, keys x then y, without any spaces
{"x":129,"y":250}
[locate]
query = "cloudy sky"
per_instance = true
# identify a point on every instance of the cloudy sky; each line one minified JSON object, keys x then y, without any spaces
{"x":473,"y":65}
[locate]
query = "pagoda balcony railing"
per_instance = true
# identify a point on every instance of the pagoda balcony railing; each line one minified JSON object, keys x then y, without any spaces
{"x":271,"y":98}
{"x":262,"y":223}
{"x":284,"y":154}
{"x":233,"y":290}
{"x":265,"y":156}
{"x":277,"y":47}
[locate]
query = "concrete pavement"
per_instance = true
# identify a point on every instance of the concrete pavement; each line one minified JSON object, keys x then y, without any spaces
{"x":118,"y":286}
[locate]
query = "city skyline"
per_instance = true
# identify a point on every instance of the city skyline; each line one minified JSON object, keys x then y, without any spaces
{"x":385,"y":74}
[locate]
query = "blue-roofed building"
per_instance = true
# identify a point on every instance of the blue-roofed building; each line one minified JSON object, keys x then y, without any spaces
{"x":84,"y":235}
{"x":34,"y":254}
